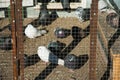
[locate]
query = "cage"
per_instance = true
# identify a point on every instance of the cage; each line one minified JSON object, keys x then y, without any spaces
{"x":59,"y":40}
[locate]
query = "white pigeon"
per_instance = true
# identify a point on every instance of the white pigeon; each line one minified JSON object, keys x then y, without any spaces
{"x":47,"y":56}
{"x":32,"y":32}
{"x":102,"y":6}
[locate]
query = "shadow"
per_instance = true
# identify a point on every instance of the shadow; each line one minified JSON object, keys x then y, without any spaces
{"x":82,"y":60}
{"x":78,"y":33}
{"x":110,"y":43}
{"x":46,"y":72}
{"x":5,"y":27}
{"x":52,"y":17}
{"x":114,"y":38}
{"x":69,"y":48}
{"x":28,"y":61}
{"x":31,"y":60}
{"x":63,"y":54}
{"x":107,"y":75}
{"x":1,"y":76}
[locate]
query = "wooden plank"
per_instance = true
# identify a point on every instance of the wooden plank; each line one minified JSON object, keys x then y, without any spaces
{"x":104,"y":39}
{"x":58,"y":6}
{"x":19,"y":36}
{"x":93,"y":40}
{"x":101,"y":60}
{"x":14,"y":42}
{"x":116,"y":66}
{"x":6,"y":3}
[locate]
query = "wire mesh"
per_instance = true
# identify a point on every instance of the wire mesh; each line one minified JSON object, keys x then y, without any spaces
{"x":59,"y":40}
{"x":6,"y":64}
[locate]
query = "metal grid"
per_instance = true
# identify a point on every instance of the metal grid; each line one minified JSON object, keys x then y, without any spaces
{"x":41,"y":41}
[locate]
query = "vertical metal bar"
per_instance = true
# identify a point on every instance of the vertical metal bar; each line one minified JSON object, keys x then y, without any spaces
{"x":14,"y":45}
{"x":19,"y":31}
{"x":93,"y":40}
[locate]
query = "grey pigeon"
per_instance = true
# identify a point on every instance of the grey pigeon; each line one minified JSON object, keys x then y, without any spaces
{"x":66,"y":5}
{"x":71,"y":61}
{"x":82,"y":14}
{"x":112,"y":19}
{"x":5,"y":42}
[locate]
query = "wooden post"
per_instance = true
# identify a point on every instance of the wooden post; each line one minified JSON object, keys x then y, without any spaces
{"x":19,"y":34}
{"x":93,"y":40}
{"x":14,"y":41}
{"x":17,"y":38}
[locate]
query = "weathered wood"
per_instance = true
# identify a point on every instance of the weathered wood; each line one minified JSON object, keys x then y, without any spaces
{"x":116,"y":66}
{"x":6,"y":3}
{"x":102,"y":35}
{"x":93,"y":40}
{"x":58,"y":6}
{"x":19,"y":36}
{"x":14,"y":41}
{"x":114,"y":50}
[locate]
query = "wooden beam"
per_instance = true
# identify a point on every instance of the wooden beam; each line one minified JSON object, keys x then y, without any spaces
{"x":104,"y":39}
{"x":93,"y":40}
{"x":58,"y":6}
{"x":14,"y":41}
{"x":19,"y":36}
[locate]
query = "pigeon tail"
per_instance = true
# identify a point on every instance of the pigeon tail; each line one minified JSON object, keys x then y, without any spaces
{"x":41,"y":32}
{"x":60,"y":62}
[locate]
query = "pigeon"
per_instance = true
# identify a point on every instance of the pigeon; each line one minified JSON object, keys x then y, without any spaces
{"x":47,"y":56}
{"x":102,"y":6}
{"x":66,"y":5}
{"x":71,"y":61}
{"x":5,"y":42}
{"x":56,"y":46}
{"x":44,"y":14}
{"x":32,"y":32}
{"x":61,"y":32}
{"x":82,"y":14}
{"x":112,"y":19}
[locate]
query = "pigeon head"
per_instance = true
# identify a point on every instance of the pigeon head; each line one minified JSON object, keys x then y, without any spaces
{"x":71,"y":61}
{"x":55,"y":46}
{"x":41,"y":47}
{"x":61,"y":32}
{"x":5,"y":43}
{"x":112,"y":19}
{"x":82,"y":14}
{"x":102,"y":6}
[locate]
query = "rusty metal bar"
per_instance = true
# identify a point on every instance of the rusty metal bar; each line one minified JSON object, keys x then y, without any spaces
{"x":14,"y":42}
{"x":19,"y":31}
{"x":93,"y":40}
